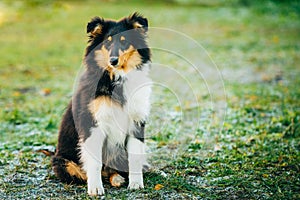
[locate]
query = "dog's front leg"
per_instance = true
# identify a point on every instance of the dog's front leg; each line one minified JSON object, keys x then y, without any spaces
{"x":91,"y":156}
{"x":136,"y":159}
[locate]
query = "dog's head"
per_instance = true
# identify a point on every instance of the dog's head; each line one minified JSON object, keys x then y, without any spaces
{"x":118,"y":46}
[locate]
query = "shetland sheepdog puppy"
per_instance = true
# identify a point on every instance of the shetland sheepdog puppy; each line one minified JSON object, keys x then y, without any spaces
{"x":102,"y":131}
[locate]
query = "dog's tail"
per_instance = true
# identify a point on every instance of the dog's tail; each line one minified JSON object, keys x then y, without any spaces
{"x":66,"y":170}
{"x":46,"y":152}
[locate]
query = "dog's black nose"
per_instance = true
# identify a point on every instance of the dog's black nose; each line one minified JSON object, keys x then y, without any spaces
{"x":114,"y":61}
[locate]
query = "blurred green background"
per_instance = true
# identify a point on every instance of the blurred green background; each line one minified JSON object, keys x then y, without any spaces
{"x":256,"y":47}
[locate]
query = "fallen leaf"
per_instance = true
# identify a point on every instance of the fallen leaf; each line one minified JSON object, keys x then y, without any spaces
{"x":217,"y":147}
{"x":46,"y":91}
{"x":158,"y":186}
{"x":197,"y":141}
{"x":284,"y":164}
{"x":275,"y":39}
{"x":265,"y":175}
{"x":17,"y":94}
{"x":177,"y":108}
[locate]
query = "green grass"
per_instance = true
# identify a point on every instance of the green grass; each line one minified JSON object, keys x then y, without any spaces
{"x":253,"y":155}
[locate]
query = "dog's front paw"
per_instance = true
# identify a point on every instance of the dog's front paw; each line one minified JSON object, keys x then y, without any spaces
{"x":94,"y":191}
{"x":95,"y":188}
{"x":135,"y":181}
{"x":135,"y":185}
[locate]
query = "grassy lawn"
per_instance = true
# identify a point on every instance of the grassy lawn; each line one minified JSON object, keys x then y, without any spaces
{"x":236,"y":137}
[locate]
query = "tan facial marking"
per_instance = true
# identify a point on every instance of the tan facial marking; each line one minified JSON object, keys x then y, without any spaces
{"x":109,"y":38}
{"x":122,"y":38}
{"x":129,"y":59}
{"x":102,"y":57}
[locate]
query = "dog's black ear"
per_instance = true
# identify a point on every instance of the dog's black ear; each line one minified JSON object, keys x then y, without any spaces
{"x":137,"y":21}
{"x":95,"y":26}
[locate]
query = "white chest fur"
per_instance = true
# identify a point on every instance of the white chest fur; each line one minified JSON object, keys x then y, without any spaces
{"x":116,"y":121}
{"x":137,"y":90}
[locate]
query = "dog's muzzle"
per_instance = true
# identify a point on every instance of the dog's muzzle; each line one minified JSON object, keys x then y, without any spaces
{"x":114,"y":61}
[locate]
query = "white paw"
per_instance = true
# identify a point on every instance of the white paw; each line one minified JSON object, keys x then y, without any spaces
{"x":116,"y":180}
{"x":135,"y":186}
{"x":95,"y":189}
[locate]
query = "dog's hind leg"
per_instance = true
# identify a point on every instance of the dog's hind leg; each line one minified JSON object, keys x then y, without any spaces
{"x":114,"y":177}
{"x":68,"y":171}
{"x":65,"y":162}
